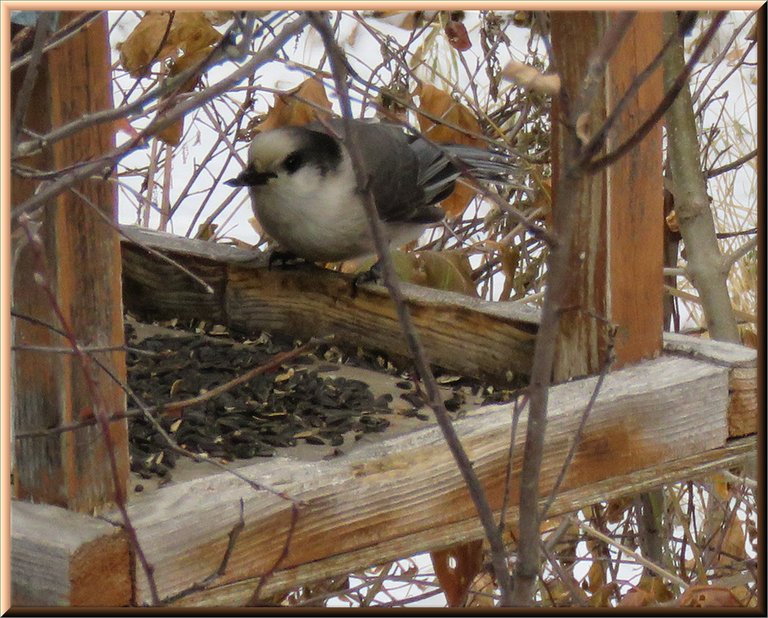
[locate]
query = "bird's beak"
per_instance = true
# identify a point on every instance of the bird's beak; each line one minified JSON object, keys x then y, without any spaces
{"x":249,"y":177}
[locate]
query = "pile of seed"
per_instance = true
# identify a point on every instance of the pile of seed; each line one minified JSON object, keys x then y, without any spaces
{"x":297,"y":402}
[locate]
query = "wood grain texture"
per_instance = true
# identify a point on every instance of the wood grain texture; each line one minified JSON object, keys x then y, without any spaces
{"x":581,"y":346}
{"x":408,"y":487}
{"x":82,"y":266}
{"x":743,"y":416}
{"x":63,"y":558}
{"x":701,"y":464}
{"x":306,"y":301}
{"x":636,"y":199}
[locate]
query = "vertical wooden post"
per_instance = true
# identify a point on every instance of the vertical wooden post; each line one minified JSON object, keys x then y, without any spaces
{"x":636,"y":200}
{"x":617,"y":241}
{"x":81,"y":263}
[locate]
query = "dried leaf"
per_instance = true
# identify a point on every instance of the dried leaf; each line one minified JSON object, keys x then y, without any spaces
{"x":637,"y":598}
{"x":161,"y":35}
{"x":708,"y":596}
{"x":672,"y":223}
{"x":733,"y":548}
{"x":457,"y":35}
{"x":447,"y":270}
{"x":530,"y":78}
{"x":176,"y":386}
{"x":439,"y":103}
{"x":596,"y":576}
{"x":482,"y":591}
{"x":297,"y":107}
{"x":467,"y":560}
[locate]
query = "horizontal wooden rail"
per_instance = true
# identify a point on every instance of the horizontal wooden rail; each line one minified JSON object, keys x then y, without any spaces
{"x":406,"y":495}
{"x":493,"y":338}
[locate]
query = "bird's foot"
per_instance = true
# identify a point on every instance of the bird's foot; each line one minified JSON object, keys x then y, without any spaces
{"x":283,"y":259}
{"x":372,"y":275}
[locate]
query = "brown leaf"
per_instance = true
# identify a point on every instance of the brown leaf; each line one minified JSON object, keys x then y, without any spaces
{"x":530,"y":78}
{"x":440,"y":104}
{"x":672,"y":223}
{"x":447,"y":270}
{"x":161,"y":35}
{"x":172,"y":134}
{"x":734,"y":542}
{"x":482,"y":591}
{"x":596,"y":576}
{"x":294,"y":107}
{"x":457,"y":202}
{"x":650,"y":590}
{"x":708,"y":596}
{"x":636,"y":598}
{"x":455,"y":580}
{"x":457,"y":35}
{"x":602,"y":596}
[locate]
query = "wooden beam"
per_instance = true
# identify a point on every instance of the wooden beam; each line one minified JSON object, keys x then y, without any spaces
{"x":80,"y":262}
{"x":237,"y":593}
{"x":306,"y":301}
{"x":409,"y":487}
{"x":635,"y":234}
{"x":63,"y":558}
{"x":742,"y":376}
{"x":581,"y":345}
{"x":617,"y":243}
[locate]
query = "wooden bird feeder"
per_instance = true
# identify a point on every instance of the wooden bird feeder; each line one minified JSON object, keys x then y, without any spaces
{"x":676,"y":407}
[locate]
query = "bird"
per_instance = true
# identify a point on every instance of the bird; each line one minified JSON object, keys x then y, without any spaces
{"x":305,"y":195}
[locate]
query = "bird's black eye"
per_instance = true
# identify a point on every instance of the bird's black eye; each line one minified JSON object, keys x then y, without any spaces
{"x":293,"y":162}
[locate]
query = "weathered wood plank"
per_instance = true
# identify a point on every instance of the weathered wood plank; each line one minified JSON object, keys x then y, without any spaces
{"x":742,"y":380}
{"x":647,"y":416}
{"x":239,"y":592}
{"x":80,"y":262}
{"x":634,"y":238}
{"x":494,"y":338}
{"x":59,"y":557}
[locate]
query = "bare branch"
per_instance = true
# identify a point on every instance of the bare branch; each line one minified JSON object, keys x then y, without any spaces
{"x":498,"y":553}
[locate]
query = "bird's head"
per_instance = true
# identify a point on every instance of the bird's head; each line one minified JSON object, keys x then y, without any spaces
{"x":289,"y":154}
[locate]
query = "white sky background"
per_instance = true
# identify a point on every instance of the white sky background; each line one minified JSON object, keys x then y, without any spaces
{"x":738,"y":122}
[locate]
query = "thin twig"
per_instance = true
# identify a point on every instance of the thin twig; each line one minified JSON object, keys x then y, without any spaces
{"x":582,"y":424}
{"x":735,"y":164}
{"x":105,"y":163}
{"x":572,"y":178}
{"x":644,"y":561}
{"x":234,"y":534}
{"x":24,"y":95}
{"x":99,"y":409}
{"x":681,"y":80}
{"x":730,"y":259}
{"x":254,"y":600}
{"x":498,"y":553}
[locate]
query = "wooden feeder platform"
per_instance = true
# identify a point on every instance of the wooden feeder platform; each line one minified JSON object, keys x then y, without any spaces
{"x":690,"y":411}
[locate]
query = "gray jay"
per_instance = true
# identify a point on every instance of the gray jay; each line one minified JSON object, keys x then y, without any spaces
{"x":304,"y":192}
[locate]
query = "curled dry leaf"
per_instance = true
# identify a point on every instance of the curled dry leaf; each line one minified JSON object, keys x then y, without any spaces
{"x":161,"y":35}
{"x":297,"y":107}
{"x":672,"y":223}
{"x":530,"y":78}
{"x":467,"y":561}
{"x":708,"y":596}
{"x":183,"y":37}
{"x":457,"y":35}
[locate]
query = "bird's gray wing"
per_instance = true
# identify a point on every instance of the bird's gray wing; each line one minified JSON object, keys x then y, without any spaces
{"x":394,"y":170}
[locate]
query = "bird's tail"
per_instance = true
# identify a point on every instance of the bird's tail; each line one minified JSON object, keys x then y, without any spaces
{"x":442,"y":165}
